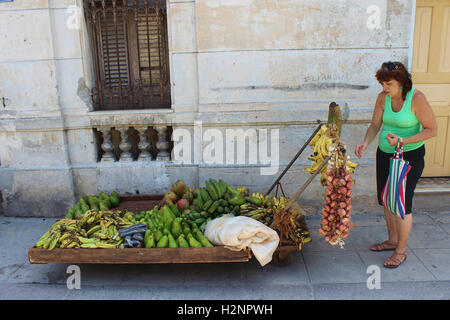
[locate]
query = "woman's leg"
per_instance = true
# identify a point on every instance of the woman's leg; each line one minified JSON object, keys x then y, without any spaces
{"x":392,"y":227}
{"x":404,"y":228}
{"x":393,"y":234}
{"x":382,"y":170}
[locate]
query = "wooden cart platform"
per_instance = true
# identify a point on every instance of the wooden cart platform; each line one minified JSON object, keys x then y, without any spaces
{"x":137,"y":256}
{"x":217,"y":254}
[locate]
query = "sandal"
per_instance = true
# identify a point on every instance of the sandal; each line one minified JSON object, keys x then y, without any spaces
{"x":395,"y":260}
{"x":383,"y":246}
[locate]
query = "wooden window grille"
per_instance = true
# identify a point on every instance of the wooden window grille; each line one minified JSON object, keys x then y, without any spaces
{"x":131,"y":55}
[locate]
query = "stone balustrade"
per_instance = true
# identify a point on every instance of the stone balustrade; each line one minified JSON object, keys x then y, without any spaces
{"x":126,"y":143}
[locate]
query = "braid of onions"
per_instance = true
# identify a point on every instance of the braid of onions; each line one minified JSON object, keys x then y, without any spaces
{"x":336,"y":212}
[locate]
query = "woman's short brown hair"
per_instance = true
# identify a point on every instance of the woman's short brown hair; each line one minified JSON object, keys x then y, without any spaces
{"x":397,"y":71}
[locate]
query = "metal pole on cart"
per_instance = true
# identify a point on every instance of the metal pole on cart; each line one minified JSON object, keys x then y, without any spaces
{"x":295,"y":158}
{"x":303,"y":187}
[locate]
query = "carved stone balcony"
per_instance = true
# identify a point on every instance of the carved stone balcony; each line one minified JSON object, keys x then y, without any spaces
{"x":133,"y":143}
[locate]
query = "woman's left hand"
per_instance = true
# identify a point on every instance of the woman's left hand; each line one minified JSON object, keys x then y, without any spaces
{"x":392,"y":139}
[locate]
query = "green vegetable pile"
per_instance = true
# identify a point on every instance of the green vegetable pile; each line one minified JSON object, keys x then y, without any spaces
{"x":101,"y":202}
{"x":169,"y":229}
{"x":199,"y":206}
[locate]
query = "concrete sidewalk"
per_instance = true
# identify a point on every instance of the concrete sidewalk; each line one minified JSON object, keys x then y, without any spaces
{"x":320,"y":271}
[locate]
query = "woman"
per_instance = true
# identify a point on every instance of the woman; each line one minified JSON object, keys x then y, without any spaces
{"x":407,"y":119}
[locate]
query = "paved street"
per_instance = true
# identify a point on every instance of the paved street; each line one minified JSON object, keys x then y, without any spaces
{"x":320,"y":271}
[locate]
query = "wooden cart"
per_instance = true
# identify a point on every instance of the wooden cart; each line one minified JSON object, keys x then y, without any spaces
{"x":136,"y":204}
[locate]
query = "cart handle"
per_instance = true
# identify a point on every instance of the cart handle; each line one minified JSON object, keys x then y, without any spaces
{"x":303,"y":187}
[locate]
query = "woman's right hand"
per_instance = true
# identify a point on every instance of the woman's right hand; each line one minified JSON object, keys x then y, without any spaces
{"x":360,"y":149}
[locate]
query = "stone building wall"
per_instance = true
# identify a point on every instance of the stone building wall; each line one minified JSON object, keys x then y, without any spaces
{"x":235,"y":64}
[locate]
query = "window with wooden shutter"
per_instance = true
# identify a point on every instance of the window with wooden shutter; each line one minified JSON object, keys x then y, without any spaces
{"x":130,"y":49}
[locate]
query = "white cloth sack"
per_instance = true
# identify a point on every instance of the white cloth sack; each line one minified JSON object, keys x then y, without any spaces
{"x":237,"y":233}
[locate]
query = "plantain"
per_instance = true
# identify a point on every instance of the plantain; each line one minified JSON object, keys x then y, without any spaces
{"x":84,"y":240}
{"x":65,"y":243}
{"x":254,"y":212}
{"x":322,"y":147}
{"x":87,"y":215}
{"x":49,"y":240}
{"x":223,"y":187}
{"x":246,"y":206}
{"x":258,"y":216}
{"x":44,"y":237}
{"x":310,"y":170}
{"x":88,"y":245}
{"x":316,"y":148}
{"x":74,"y":228}
{"x":351,"y":164}
{"x":54,"y":241}
{"x":214,"y":184}
{"x":315,"y":138}
{"x":101,"y":235}
{"x":111,"y":231}
{"x":64,"y":236}
{"x":211,"y":190}
{"x":73,"y":244}
{"x":59,"y":223}
{"x":93,"y":230}
{"x":82,"y":233}
{"x":105,"y":245}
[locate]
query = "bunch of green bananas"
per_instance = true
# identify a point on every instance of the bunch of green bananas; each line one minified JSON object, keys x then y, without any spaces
{"x":260,"y":200}
{"x":262,"y":214}
{"x":264,"y":209}
{"x":322,"y":144}
{"x":214,"y":200}
{"x":248,"y":207}
{"x":93,"y":230}
{"x":61,"y":232}
{"x":101,"y":202}
{"x":243,"y":190}
{"x":279,"y":203}
{"x":50,"y":239}
{"x":298,"y":231}
{"x":350,"y":166}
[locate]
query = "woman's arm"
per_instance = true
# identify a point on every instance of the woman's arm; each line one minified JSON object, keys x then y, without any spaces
{"x":377,"y":119}
{"x":375,"y":125}
{"x":425,"y":115}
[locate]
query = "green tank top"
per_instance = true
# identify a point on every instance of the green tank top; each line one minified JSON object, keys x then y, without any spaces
{"x":403,"y":124}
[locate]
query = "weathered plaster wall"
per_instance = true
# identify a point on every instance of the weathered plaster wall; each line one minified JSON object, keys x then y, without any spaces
{"x":278,"y":64}
{"x":234,"y":64}
{"x":39,"y":61}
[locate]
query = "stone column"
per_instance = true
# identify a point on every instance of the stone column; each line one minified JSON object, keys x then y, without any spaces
{"x":107,"y":145}
{"x":143,"y":145}
{"x":162,"y":145}
{"x":125,"y":145}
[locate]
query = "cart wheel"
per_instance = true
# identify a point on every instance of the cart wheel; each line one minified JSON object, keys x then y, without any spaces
{"x":282,"y":259}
